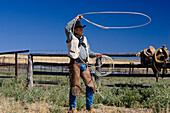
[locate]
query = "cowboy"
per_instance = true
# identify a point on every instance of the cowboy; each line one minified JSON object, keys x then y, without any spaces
{"x":79,"y":53}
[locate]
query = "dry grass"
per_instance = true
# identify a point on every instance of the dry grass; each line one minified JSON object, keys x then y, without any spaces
{"x":22,"y":58}
{"x":112,"y":109}
{"x":9,"y":105}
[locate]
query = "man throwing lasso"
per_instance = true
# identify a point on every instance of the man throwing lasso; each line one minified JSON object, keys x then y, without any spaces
{"x":79,"y":53}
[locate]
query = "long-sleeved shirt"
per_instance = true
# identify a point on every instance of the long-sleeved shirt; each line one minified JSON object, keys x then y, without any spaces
{"x":69,"y":30}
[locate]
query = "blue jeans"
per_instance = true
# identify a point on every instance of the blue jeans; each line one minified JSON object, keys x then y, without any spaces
{"x":89,"y":98}
{"x":89,"y":93}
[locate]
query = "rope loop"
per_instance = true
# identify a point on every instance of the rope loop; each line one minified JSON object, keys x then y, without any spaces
{"x":117,"y":13}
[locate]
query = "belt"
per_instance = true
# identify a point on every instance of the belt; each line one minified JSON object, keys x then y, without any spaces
{"x":77,"y":60}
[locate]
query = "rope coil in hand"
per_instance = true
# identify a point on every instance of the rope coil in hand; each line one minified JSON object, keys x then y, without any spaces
{"x":117,"y":13}
{"x":103,"y":71}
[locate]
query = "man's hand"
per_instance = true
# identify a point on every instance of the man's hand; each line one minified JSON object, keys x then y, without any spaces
{"x":78,"y":17}
{"x":98,"y":55}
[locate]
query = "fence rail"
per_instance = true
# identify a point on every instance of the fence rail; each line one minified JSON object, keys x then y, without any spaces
{"x":14,"y":52}
{"x":104,"y":65}
{"x":16,"y":61}
{"x":65,"y":55}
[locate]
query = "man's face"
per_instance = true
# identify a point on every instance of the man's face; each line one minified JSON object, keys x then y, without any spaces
{"x":79,"y":31}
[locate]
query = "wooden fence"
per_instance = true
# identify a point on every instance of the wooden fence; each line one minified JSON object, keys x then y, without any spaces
{"x":130,"y":67}
{"x":12,"y":64}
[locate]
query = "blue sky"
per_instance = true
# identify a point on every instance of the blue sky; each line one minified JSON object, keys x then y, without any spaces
{"x":39,"y":24}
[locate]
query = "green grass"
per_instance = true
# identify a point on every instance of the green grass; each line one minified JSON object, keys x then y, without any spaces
{"x":57,"y":95}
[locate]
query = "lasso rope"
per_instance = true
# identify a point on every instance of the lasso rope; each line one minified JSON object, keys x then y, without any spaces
{"x":117,"y":13}
{"x":104,"y":60}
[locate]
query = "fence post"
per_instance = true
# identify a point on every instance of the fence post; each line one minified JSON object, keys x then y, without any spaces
{"x":30,"y":72}
{"x":147,"y":69}
{"x":98,"y":63}
{"x":16,"y":65}
{"x":130,"y":67}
